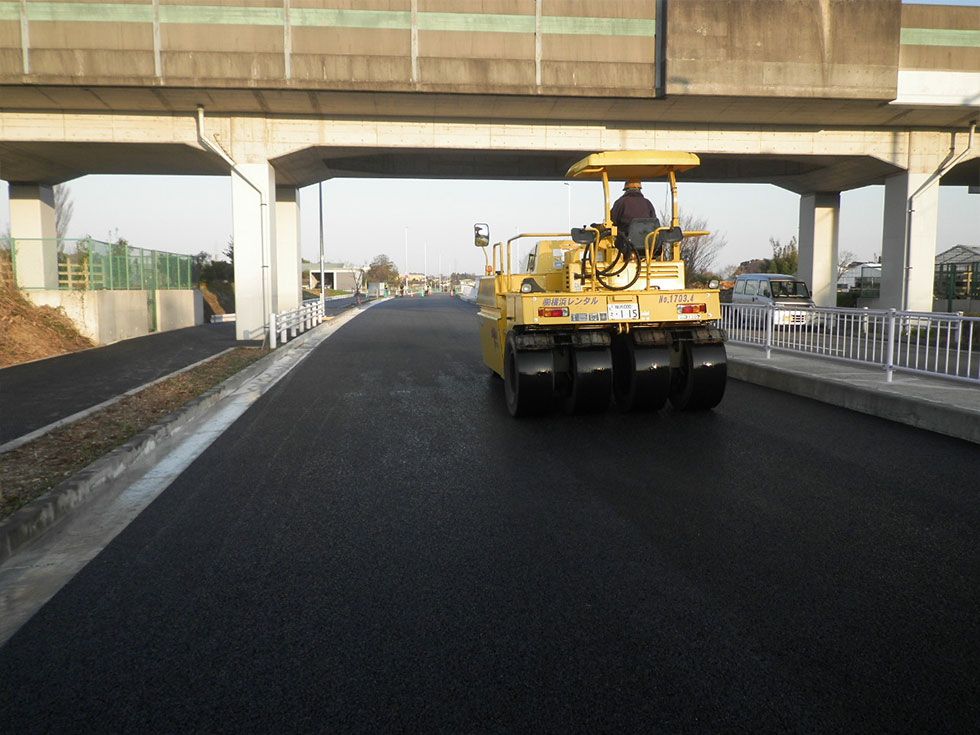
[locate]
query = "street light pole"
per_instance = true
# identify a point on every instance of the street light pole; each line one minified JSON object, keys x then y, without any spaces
{"x":322,"y":277}
{"x":569,"y":190}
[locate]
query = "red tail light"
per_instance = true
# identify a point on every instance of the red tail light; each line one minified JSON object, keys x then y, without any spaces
{"x":552,"y":312}
{"x":691,"y":308}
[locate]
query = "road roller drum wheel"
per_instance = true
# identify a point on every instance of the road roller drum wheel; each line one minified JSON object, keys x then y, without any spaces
{"x":641,"y":375}
{"x":698,"y":380}
{"x":529,"y":380}
{"x":591,"y":381}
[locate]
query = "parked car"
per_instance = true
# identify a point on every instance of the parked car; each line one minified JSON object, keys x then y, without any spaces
{"x":778,"y":290}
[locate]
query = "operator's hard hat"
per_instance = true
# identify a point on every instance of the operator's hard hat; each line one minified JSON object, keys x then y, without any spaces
{"x":633,"y":184}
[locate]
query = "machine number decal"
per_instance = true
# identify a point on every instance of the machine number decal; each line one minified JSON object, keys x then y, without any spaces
{"x":623,"y":311}
{"x":676,"y":298}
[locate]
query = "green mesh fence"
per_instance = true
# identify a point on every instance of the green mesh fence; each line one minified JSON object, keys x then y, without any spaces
{"x":957,"y":281}
{"x":97,"y":266}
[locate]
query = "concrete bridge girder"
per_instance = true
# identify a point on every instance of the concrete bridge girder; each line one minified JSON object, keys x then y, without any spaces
{"x":280,"y":151}
{"x":49,"y":148}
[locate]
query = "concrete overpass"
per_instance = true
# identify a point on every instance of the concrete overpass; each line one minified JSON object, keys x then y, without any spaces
{"x":816,"y":96}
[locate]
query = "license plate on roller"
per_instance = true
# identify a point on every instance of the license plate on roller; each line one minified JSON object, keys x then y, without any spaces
{"x":623,"y":311}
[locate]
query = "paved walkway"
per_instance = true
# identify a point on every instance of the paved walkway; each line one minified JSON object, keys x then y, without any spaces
{"x":950,"y":407}
{"x":39,"y":393}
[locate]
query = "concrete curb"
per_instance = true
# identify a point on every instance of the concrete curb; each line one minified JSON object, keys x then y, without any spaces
{"x":942,"y":418}
{"x":37,"y":516}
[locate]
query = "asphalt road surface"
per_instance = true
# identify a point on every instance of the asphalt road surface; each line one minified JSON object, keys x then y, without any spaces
{"x":377,"y":546}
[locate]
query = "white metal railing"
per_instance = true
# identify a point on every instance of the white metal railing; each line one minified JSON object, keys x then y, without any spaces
{"x":290,"y":323}
{"x":916,"y":342}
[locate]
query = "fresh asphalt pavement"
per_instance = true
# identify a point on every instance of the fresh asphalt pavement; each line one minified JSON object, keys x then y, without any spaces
{"x":376,"y":545}
{"x":39,"y":393}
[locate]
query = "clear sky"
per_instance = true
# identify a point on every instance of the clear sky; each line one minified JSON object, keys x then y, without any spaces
{"x":366,"y":217}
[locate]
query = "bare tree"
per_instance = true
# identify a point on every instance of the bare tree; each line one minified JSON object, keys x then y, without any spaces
{"x":699,"y":253}
{"x":845,"y":258}
{"x":358,"y":276}
{"x":64,"y":208}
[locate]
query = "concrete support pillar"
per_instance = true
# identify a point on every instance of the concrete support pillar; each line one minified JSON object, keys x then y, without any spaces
{"x":32,"y":218}
{"x":908,"y":248}
{"x":819,"y":231}
{"x":253,"y":228}
{"x":289,"y":262}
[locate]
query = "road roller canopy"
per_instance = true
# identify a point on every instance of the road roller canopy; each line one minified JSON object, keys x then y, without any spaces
{"x":632,"y":164}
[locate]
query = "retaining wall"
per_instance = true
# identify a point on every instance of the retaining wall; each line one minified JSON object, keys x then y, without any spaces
{"x":109,"y":316}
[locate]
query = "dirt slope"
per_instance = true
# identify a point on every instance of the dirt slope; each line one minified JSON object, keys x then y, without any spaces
{"x":28,"y":332}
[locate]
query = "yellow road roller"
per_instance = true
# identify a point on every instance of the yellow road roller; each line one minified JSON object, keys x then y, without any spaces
{"x":598,"y":314}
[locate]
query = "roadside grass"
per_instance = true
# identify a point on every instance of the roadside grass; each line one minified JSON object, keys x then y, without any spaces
{"x":31,"y":470}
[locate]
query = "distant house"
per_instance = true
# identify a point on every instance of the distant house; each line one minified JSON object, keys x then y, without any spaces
{"x":959,"y":254}
{"x":858,"y":274}
{"x":335,"y":276}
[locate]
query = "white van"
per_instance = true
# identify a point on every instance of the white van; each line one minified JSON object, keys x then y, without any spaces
{"x":776,"y":289}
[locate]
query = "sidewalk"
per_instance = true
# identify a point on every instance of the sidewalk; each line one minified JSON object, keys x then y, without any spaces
{"x":945,"y":406}
{"x":39,"y":393}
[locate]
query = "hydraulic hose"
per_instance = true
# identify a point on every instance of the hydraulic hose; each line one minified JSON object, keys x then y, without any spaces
{"x":607,"y":272}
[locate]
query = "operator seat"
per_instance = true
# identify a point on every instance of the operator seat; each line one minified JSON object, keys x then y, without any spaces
{"x":639,"y":228}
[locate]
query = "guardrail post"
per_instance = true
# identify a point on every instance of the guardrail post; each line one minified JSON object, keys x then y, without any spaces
{"x":272,"y":330}
{"x":770,"y":315}
{"x":890,"y":361}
